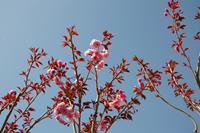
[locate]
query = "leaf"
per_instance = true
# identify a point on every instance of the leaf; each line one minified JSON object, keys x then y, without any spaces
{"x":31,"y":109}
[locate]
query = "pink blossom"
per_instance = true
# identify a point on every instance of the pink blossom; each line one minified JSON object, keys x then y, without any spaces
{"x":70,"y":114}
{"x":69,"y":109}
{"x":60,"y":119}
{"x":120,"y":95}
{"x":105,"y":54}
{"x":89,"y":52}
{"x":76,"y":114}
{"x":51,"y":72}
{"x":114,"y":103}
{"x":57,"y":81}
{"x":60,"y":109}
{"x":59,"y":63}
{"x":100,"y":65}
{"x":95,"y":43}
{"x":96,"y":56}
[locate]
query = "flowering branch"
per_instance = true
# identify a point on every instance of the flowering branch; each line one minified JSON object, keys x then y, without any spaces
{"x":175,"y":13}
{"x":151,"y":84}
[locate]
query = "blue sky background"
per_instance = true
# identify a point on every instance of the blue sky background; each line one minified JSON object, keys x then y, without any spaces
{"x":139,"y":28}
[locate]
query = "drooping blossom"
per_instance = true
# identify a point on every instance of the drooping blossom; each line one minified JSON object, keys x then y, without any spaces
{"x":62,"y":110}
{"x":60,"y":119}
{"x":69,"y":113}
{"x":100,"y":65}
{"x":76,"y":114}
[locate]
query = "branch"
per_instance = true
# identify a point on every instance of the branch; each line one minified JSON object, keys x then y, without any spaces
{"x":42,"y":117}
{"x":18,"y":97}
{"x":198,"y":71}
{"x":77,"y":78}
{"x":169,"y":103}
{"x":93,"y":129}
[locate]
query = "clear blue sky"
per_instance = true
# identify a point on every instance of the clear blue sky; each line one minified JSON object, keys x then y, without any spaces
{"x":139,"y":28}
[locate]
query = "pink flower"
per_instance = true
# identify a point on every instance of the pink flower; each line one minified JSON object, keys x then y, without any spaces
{"x":71,"y":115}
{"x":76,"y":115}
{"x":60,"y":119}
{"x":95,"y":43}
{"x":105,"y":54}
{"x":96,"y":56}
{"x":57,"y":81}
{"x":60,"y":109}
{"x":100,"y":65}
{"x":89,"y":52}
{"x":51,"y":72}
{"x":115,"y":103}
{"x":120,"y":95}
{"x":69,"y":109}
{"x":59,"y":63}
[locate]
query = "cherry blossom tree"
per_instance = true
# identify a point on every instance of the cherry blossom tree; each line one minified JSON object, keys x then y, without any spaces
{"x":111,"y":103}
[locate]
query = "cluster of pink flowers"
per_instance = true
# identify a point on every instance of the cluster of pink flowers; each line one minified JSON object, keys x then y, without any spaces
{"x":59,"y":64}
{"x":96,"y":54}
{"x":119,"y":97}
{"x":55,"y":72}
{"x":61,"y":110}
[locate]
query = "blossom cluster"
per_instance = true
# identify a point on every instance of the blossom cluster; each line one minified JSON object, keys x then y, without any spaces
{"x":97,"y":55}
{"x":61,"y":110}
